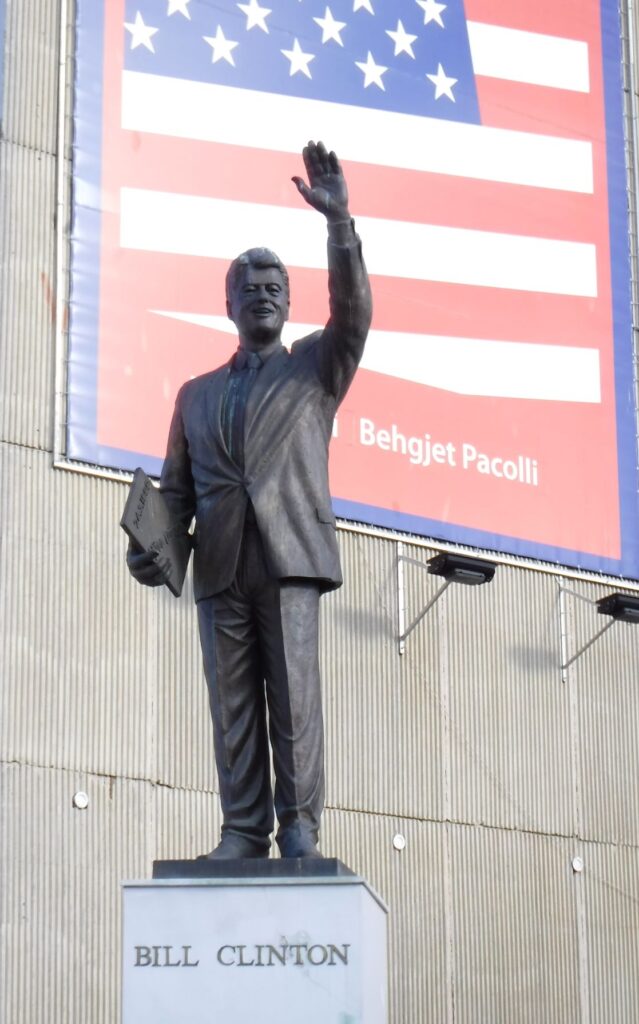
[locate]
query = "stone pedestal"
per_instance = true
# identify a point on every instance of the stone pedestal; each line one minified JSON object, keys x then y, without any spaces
{"x":279,"y":942}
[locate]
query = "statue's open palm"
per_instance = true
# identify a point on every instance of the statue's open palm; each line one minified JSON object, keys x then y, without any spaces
{"x":326,"y":190}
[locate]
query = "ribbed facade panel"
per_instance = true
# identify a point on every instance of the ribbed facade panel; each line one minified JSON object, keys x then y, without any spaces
{"x":611,"y":882}
{"x":79,"y":639}
{"x":413,"y":885}
{"x":27,"y":293}
{"x":605,"y":682}
{"x":113,"y":670}
{"x":510,"y":740}
{"x":515,"y":928}
{"x":30,"y":100}
{"x":382,"y":709}
{"x":61,"y":870}
{"x":186,"y":824}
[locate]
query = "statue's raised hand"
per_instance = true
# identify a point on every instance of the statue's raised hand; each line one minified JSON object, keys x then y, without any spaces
{"x":326,"y":190}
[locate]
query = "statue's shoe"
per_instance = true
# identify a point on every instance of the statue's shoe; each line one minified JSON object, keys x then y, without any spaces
{"x":234,"y":847}
{"x":295,"y":842}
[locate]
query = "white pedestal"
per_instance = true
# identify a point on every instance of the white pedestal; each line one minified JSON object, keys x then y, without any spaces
{"x":274,"y":950}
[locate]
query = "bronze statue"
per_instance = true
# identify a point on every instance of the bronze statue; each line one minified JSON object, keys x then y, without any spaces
{"x":247,"y":456}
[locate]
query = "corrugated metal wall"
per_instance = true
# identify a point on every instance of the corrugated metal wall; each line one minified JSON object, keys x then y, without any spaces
{"x":496,"y":768}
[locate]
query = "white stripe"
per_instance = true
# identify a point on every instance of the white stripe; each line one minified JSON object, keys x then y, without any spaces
{"x":529,"y":57}
{"x":220,"y":228}
{"x":465,"y":366}
{"x":240,"y":117}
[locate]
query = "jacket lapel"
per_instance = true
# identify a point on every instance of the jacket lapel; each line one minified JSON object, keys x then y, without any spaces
{"x":214,"y":393}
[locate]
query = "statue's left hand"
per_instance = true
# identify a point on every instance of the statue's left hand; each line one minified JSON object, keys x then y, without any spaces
{"x":326,"y":190}
{"x":146,"y":566}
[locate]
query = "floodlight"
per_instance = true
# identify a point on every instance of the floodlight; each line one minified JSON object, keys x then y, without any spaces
{"x":622,"y":607}
{"x":461,"y":569}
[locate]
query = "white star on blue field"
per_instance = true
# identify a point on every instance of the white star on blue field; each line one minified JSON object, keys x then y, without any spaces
{"x":408,"y":56}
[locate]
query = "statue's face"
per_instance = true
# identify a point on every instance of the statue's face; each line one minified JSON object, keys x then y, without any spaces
{"x":259,"y":305}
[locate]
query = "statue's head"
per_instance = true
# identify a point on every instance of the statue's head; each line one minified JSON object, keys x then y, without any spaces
{"x":258,"y":258}
{"x":257,"y":296}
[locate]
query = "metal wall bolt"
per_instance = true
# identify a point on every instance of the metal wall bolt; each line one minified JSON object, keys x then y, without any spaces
{"x":81,"y":800}
{"x":399,"y":842}
{"x":577,"y":865}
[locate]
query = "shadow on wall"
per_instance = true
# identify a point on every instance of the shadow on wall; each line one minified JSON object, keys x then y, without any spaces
{"x":533,"y":659}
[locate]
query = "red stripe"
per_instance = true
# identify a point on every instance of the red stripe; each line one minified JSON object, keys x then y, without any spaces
{"x":464,"y":311}
{"x":571,"y":19}
{"x":566,"y":443}
{"x":534,"y":108}
{"x":195,"y":285}
{"x":228,"y":172}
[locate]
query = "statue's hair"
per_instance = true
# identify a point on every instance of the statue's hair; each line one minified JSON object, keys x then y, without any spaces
{"x":258,"y":258}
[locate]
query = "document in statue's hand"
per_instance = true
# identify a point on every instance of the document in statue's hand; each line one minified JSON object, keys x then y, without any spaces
{"x":148,"y":521}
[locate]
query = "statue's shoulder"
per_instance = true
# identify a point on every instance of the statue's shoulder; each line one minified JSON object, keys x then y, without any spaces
{"x":196,"y":385}
{"x":304,"y":346}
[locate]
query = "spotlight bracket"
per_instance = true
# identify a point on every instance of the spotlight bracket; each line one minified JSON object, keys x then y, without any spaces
{"x":453,"y":568}
{"x":619,"y":607}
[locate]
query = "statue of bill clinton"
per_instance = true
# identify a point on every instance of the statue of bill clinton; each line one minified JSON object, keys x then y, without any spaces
{"x":247,"y":456}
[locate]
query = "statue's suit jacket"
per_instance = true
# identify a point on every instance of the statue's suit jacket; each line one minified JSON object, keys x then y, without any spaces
{"x":288,"y":426}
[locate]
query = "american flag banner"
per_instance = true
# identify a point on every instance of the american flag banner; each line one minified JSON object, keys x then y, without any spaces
{"x":482,"y":142}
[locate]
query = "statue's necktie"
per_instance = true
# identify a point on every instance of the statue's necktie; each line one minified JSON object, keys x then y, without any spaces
{"x":246,"y":366}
